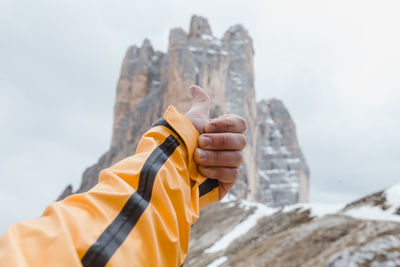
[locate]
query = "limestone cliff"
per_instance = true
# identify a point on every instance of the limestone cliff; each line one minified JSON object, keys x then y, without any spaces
{"x":282,"y":169}
{"x":151,"y":80}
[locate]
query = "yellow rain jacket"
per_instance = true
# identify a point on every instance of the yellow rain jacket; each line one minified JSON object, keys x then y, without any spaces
{"x":139,"y":214}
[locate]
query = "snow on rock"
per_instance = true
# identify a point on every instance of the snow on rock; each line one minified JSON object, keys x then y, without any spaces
{"x":316,"y":209}
{"x":193,"y":49}
{"x":251,"y":234}
{"x":242,"y":228}
{"x":372,"y":213}
{"x":264,"y":175}
{"x":385,"y":247}
{"x":207,"y":37}
{"x":282,"y":167}
{"x":224,"y":53}
{"x":218,"y":262}
{"x":228,"y":198}
{"x":261,"y":211}
{"x":393,"y":197}
{"x":386,"y":210}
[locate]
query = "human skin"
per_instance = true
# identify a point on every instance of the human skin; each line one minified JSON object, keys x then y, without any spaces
{"x":220,"y":143}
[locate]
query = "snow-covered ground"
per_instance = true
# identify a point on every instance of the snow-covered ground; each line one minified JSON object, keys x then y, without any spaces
{"x":218,"y":262}
{"x":261,"y":211}
{"x":366,"y":211}
{"x":369,"y":212}
{"x":316,"y":209}
{"x":243,"y":227}
{"x":384,"y":246}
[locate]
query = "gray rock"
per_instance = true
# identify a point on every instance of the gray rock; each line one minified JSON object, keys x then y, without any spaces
{"x":274,"y":169}
{"x":282,"y":169}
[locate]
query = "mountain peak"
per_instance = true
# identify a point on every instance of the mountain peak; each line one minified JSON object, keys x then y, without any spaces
{"x":199,"y":26}
{"x":177,"y":36}
{"x":146,"y":48}
{"x":237,"y":31}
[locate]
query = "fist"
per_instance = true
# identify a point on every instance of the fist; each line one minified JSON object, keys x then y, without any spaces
{"x":221,"y":141}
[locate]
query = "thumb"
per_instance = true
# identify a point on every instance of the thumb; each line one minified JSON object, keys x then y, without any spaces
{"x":200,"y":102}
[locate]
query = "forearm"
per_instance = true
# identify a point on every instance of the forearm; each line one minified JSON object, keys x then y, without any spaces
{"x":140,"y":212}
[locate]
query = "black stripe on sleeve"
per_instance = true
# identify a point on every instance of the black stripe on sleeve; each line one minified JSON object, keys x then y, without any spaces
{"x":162,"y":122}
{"x":110,"y":240}
{"x":207,"y":186}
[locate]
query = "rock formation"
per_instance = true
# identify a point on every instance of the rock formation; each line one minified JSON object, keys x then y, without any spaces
{"x":282,"y":169}
{"x":274,"y":172}
{"x":274,"y":169}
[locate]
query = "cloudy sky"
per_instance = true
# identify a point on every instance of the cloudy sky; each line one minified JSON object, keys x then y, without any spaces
{"x":335,"y":64}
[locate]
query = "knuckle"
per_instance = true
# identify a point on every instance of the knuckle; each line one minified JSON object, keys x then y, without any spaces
{"x":239,"y":158}
{"x":244,"y":124}
{"x":232,"y":173}
{"x":243,"y":142}
{"x":235,"y":173}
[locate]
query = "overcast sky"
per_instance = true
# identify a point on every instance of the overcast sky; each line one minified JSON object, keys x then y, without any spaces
{"x":335,"y":65}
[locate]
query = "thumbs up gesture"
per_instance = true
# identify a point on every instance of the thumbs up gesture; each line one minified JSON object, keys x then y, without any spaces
{"x":220,"y":143}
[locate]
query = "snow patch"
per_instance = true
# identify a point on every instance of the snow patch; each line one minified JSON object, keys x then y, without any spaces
{"x":381,"y":246}
{"x":293,"y":161}
{"x":218,"y":262}
{"x":193,"y":49}
{"x":294,"y":186}
{"x":216,"y":42}
{"x":316,"y":209}
{"x":228,"y":198}
{"x":263,"y":174}
{"x":236,"y":79}
{"x":376,"y":213}
{"x":393,"y":197}
{"x":275,"y":171}
{"x":270,"y":121}
{"x":207,"y":37}
{"x":242,"y":228}
{"x":270,"y":150}
{"x":277,"y":134}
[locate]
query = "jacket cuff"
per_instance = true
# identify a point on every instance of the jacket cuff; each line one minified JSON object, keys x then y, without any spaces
{"x":186,"y":131}
{"x":209,"y":191}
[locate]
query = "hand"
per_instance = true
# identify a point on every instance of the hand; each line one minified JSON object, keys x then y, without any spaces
{"x":220,"y":143}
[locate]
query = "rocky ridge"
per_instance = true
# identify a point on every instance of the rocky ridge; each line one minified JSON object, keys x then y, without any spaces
{"x":364,"y":233}
{"x":274,"y":170}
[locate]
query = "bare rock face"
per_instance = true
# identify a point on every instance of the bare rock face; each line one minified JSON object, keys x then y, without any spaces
{"x":282,"y":169}
{"x":151,"y":80}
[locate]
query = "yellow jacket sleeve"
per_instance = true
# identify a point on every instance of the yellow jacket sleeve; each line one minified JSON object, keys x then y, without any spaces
{"x":139,"y":214}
